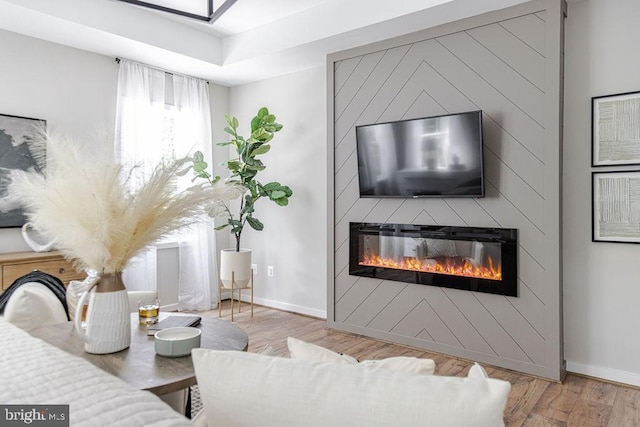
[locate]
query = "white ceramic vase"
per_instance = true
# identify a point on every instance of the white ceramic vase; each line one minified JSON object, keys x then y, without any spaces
{"x":238,"y":263}
{"x":108,"y":322}
{"x":34,"y":240}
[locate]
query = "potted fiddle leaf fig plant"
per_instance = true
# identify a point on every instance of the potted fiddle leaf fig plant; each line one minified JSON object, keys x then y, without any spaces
{"x":243,"y":168}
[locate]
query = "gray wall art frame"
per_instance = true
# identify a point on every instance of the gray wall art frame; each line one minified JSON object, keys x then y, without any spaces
{"x":15,"y":133}
{"x":616,"y":206}
{"x":615,"y":129}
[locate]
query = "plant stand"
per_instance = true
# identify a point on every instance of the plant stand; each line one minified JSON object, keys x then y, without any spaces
{"x":234,"y":288}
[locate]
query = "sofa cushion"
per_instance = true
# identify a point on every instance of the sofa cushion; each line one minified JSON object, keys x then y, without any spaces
{"x":412,"y":365}
{"x":299,"y":349}
{"x":477,"y":371}
{"x":245,"y":389}
{"x":74,"y":292}
{"x":75,"y":289}
{"x":32,"y":305}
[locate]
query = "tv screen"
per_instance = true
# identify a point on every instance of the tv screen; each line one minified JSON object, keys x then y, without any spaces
{"x":428,"y":157}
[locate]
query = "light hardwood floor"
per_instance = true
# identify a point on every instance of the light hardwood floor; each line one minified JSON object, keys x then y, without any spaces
{"x":578,"y":401}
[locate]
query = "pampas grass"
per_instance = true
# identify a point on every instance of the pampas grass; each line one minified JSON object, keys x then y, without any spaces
{"x":85,"y":206}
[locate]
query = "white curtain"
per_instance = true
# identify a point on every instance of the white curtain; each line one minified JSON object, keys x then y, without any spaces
{"x":141,"y":94}
{"x":153,"y":104}
{"x":197,"y":245}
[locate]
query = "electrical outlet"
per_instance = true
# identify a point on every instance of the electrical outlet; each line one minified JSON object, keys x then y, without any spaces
{"x":270,"y":270}
{"x":254,"y":267}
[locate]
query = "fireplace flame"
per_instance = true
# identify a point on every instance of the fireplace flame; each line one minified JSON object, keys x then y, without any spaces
{"x":450,"y":266}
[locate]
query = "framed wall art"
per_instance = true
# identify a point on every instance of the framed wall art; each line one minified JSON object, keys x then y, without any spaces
{"x":15,"y":133}
{"x":616,"y":206}
{"x":615,"y":129}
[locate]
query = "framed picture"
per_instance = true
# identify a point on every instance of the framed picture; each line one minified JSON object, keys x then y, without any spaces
{"x":615,"y":129}
{"x":616,"y":206}
{"x":15,"y":133}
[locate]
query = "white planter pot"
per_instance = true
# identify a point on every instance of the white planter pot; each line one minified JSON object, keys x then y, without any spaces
{"x":238,"y":263}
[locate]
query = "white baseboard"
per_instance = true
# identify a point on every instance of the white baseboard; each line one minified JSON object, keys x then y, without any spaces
{"x":291,"y":307}
{"x":169,"y":307}
{"x":604,"y":373}
{"x":281,"y":305}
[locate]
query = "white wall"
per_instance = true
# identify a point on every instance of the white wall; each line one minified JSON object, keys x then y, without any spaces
{"x":75,"y":91}
{"x":294,"y":237}
{"x":601,"y":280}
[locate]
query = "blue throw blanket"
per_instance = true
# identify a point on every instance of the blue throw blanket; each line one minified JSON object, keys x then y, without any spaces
{"x":52,"y":283}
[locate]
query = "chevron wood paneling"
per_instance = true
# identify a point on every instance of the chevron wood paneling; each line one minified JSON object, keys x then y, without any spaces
{"x":499,"y":67}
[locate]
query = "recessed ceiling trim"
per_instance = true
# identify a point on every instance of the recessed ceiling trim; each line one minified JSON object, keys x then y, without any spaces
{"x":210,"y":16}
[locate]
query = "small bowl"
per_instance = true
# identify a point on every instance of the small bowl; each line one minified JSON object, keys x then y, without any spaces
{"x":177,"y":342}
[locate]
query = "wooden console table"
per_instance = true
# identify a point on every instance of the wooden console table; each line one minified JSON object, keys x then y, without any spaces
{"x":16,"y":264}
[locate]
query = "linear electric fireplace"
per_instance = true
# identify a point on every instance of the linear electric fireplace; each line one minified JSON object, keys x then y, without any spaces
{"x":475,"y":259}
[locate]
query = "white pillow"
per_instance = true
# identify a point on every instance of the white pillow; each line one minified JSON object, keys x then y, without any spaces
{"x":267,"y":350}
{"x":412,"y":365}
{"x":277,"y":391}
{"x":33,"y":305}
{"x":477,"y":371}
{"x":306,"y":351}
{"x":76,"y":289}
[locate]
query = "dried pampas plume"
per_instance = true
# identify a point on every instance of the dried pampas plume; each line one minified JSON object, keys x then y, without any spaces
{"x":84,"y":204}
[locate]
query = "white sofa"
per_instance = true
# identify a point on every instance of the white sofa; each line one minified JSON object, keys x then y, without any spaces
{"x":33,"y":372}
{"x":32,"y":306}
{"x":241,"y":389}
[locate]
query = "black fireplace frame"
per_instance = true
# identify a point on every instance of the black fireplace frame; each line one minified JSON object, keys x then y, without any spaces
{"x":506,"y":237}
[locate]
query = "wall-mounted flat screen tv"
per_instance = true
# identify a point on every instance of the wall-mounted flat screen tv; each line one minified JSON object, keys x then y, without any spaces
{"x":437,"y":156}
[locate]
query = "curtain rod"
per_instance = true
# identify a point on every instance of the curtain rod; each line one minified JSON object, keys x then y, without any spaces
{"x":171,"y":73}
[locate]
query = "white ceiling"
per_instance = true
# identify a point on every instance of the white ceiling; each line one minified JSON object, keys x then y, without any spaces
{"x":253,"y":40}
{"x":246,"y":15}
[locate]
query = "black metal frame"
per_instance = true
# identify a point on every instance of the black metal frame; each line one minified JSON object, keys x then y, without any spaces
{"x":210,"y":17}
{"x":507,"y":237}
{"x":594,"y":175}
{"x":593,"y":125}
{"x":428,"y":195}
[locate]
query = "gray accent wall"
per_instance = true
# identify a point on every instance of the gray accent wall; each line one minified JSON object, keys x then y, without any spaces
{"x":507,"y":63}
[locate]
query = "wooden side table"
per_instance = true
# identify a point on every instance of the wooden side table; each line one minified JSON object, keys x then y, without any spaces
{"x":17,"y":264}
